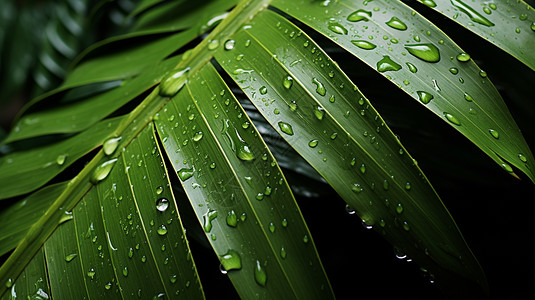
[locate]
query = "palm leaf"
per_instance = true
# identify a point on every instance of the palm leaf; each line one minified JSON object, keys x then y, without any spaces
{"x":115,"y":225}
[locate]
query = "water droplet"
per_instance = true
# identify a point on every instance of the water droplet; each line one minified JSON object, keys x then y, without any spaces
{"x":60,"y":160}
{"x":286,"y":128}
{"x":472,"y":14}
{"x":70,"y":257}
{"x":387,"y":64}
{"x":110,"y":145}
{"x":313,"y":143}
{"x":356,"y":188}
{"x":319,"y":112}
{"x":173,"y":278}
{"x":430,"y":3}
{"x":396,"y":24}
{"x":232,"y":219}
{"x":452,"y":118}
{"x":162,"y":230}
{"x":407,"y":186}
{"x":406,"y":226}
{"x":185,"y":173}
{"x":468,"y":98}
{"x":125,"y":271}
{"x":463,"y":57}
{"x":293,"y":105}
{"x":238,"y":145}
{"x":283,"y":253}
{"x":260,"y":275}
{"x":101,"y":172}
{"x":337,"y":28}
{"x":197,"y":136}
{"x":425,"y":97}
{"x":424,"y":51}
{"x":363,"y":44}
{"x":305,"y":239}
{"x":231,"y":260}
{"x":91,"y":273}
{"x":271,"y":227}
{"x":263,"y":90}
{"x":494,"y":133}
{"x":522,"y":157}
{"x":320,"y":89}
{"x":533,"y":26}
{"x":208,"y":217}
{"x":359,"y":15}
{"x":412,"y":68}
{"x":288,"y":81}
{"x":454,"y":71}
{"x":162,"y":204}
{"x":107,"y":286}
{"x":130,"y":253}
{"x":171,"y":84}
{"x":229,"y":44}
{"x":213,"y":44}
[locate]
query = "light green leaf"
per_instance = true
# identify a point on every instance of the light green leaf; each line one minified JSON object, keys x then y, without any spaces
{"x":422,"y":61}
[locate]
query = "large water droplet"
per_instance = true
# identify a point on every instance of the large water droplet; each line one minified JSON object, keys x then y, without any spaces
{"x":337,"y":28}
{"x":287,"y":82}
{"x":101,"y":172}
{"x":286,"y":128}
{"x":472,"y":14}
{"x":320,"y":89}
{"x":171,"y":84}
{"x":452,"y":118}
{"x":162,"y":204}
{"x":430,"y":3}
{"x":70,"y":257}
{"x":463,"y":57}
{"x":162,"y":230}
{"x":396,"y":24}
{"x":313,"y":143}
{"x":60,"y":160}
{"x":319,"y":112}
{"x":260,"y":275}
{"x":359,"y":15}
{"x":185,"y":173}
{"x":237,"y":144}
{"x":425,"y":97}
{"x":424,"y":51}
{"x":229,"y":44}
{"x":197,"y":136}
{"x":208,"y":217}
{"x":232,"y":219}
{"x":231,"y":260}
{"x":363,"y":44}
{"x":110,"y":145}
{"x":387,"y":64}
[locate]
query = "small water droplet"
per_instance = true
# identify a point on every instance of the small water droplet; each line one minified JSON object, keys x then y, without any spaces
{"x":337,"y":28}
{"x":171,"y":84}
{"x":102,"y":171}
{"x":283,"y":253}
{"x":356,"y":188}
{"x":412,"y":68}
{"x":363,"y":44}
{"x":213,"y":44}
{"x":229,"y":44}
{"x":425,"y":97}
{"x":288,"y":82}
{"x":110,"y":145}
{"x":522,"y":157}
{"x":185,"y":173}
{"x":286,"y":128}
{"x":271,"y":227}
{"x":208,"y":217}
{"x":319,"y":112}
{"x":232,"y":219}
{"x":60,"y":160}
{"x":387,"y":64}
{"x":260,"y":274}
{"x":424,"y":51}
{"x":125,"y":271}
{"x":430,"y":3}
{"x":359,"y":15}
{"x":197,"y":136}
{"x":468,"y":98}
{"x":91,"y":273}
{"x":454,"y":70}
{"x":70,"y":257}
{"x":396,"y":24}
{"x":231,"y":260}
{"x":263,"y":90}
{"x":463,"y":57}
{"x":452,"y":119}
{"x":162,"y":204}
{"x":162,"y":230}
{"x":320,"y":89}
{"x":313,"y":143}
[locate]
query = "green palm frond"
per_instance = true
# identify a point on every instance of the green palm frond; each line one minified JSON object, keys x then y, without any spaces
{"x":90,"y":171}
